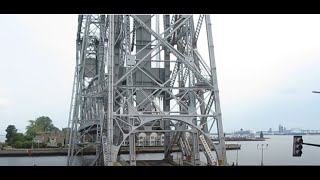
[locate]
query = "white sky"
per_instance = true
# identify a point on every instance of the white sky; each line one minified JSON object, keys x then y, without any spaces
{"x":267,"y":66}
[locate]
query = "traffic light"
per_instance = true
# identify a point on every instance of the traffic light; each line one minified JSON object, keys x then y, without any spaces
{"x":297,"y":146}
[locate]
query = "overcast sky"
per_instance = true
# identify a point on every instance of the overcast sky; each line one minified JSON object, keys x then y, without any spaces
{"x":267,"y":66}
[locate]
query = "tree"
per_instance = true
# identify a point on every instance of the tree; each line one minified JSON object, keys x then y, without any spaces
{"x":1,"y":146}
{"x":41,"y":124}
{"x":11,"y":133}
{"x":28,"y":138}
{"x":19,"y":137}
{"x":261,"y":134}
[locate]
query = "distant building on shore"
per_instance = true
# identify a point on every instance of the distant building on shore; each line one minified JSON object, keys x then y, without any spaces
{"x":280,"y":128}
{"x":50,"y":138}
{"x":242,"y":133}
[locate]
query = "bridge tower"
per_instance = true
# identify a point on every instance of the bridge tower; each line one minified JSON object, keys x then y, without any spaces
{"x":144,"y":73}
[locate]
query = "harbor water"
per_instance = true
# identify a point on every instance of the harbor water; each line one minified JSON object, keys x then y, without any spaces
{"x":279,"y":152}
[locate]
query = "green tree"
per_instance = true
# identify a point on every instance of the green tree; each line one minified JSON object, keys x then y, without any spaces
{"x":1,"y":146}
{"x":19,"y":137}
{"x":28,"y":138}
{"x":261,"y":134}
{"x":11,"y":133}
{"x":41,"y":124}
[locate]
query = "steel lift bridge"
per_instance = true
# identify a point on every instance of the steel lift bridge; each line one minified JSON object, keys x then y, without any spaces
{"x":144,"y":73}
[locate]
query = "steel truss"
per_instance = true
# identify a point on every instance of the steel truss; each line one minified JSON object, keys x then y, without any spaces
{"x":117,"y":91}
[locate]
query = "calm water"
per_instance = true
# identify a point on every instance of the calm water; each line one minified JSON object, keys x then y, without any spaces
{"x":279,"y":152}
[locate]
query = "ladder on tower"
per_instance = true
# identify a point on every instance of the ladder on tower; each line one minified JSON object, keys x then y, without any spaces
{"x":207,"y":149}
{"x":173,"y":141}
{"x":185,"y":147}
{"x":105,"y":149}
{"x":197,"y":32}
{"x":186,"y":142}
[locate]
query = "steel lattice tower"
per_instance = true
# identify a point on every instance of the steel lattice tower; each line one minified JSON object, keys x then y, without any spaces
{"x":131,"y":77}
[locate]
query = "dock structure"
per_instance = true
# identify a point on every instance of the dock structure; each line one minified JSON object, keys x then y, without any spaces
{"x":144,"y":74}
{"x":64,"y":151}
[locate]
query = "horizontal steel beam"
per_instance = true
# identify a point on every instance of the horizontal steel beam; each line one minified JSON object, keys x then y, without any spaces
{"x":162,"y":116}
{"x":139,"y":131}
{"x":158,"y":87}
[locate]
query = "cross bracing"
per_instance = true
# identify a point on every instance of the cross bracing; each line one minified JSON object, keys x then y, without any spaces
{"x":138,"y":73}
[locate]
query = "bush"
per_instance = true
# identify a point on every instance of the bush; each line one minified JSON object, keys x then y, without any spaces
{"x":59,"y":144}
{"x":17,"y":144}
{"x":42,"y":145}
{"x":27,"y":144}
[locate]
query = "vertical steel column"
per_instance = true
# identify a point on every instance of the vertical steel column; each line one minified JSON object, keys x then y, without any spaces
{"x":78,"y":97}
{"x":69,"y":134}
{"x":166,"y":100}
{"x":223,"y":156}
{"x":101,"y":80}
{"x":196,"y":154}
{"x":110,"y":92}
{"x":158,"y":49}
{"x":132,"y":146}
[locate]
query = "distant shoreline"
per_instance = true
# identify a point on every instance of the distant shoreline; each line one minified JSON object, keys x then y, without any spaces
{"x":242,"y":139}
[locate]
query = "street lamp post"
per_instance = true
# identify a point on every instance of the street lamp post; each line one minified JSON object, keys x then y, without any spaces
{"x":262,"y":148}
{"x":237,"y":154}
